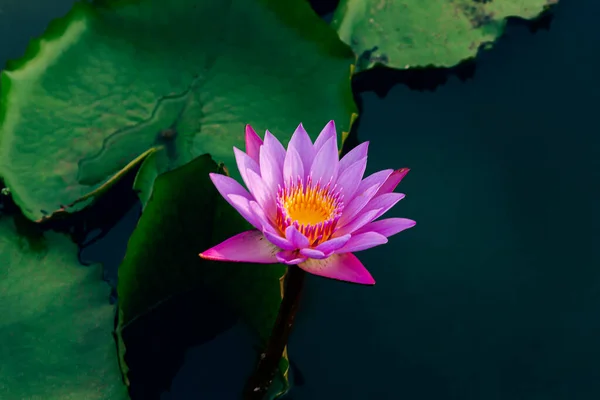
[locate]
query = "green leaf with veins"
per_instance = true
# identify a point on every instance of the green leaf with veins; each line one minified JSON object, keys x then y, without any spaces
{"x":56,"y":326}
{"x":114,"y":79}
{"x":416,"y":33}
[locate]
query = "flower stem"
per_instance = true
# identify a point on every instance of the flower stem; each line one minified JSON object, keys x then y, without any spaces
{"x":259,"y":382}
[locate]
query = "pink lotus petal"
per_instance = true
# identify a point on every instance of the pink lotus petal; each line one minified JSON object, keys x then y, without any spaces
{"x":388,"y":227}
{"x":349,"y":180}
{"x":262,"y":218}
{"x":242,"y":206}
{"x":244,"y":163}
{"x":363,"y":241}
{"x":332,"y":245}
{"x":380,"y":203}
{"x":290,"y":257}
{"x":279,"y":241}
{"x":293,"y":166}
{"x":326,"y":134}
{"x":275,"y":148}
{"x":325,"y":166}
{"x":363,"y":195}
{"x":378,"y":178}
{"x":301,"y":142}
{"x":249,"y":246}
{"x":392,"y":181}
{"x":384,"y":202}
{"x":296,"y":238}
{"x":260,"y":191}
{"x":357,"y":153}
{"x":270,"y":170}
{"x":313,"y":253}
{"x":343,"y":267}
{"x":253,"y":143}
{"x":361,"y":220}
{"x":226,"y":185}
{"x":356,"y":205}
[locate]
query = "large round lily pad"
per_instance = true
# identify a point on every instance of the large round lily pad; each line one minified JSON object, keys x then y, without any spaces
{"x":116,"y":78}
{"x":56,"y":323}
{"x":417,"y":33}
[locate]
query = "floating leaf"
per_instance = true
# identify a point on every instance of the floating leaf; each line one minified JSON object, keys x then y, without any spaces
{"x":115,"y":79}
{"x":184,"y":216}
{"x":56,"y":323}
{"x":417,"y":33}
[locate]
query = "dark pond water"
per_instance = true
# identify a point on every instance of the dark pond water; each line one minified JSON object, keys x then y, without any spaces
{"x":495,"y":294}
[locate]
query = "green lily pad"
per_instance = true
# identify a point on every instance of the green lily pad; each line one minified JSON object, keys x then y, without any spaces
{"x":184,"y":216}
{"x":116,"y":78}
{"x":56,"y":323}
{"x":416,"y":33}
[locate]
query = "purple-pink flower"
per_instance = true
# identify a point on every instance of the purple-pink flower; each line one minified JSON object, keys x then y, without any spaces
{"x":309,"y":208}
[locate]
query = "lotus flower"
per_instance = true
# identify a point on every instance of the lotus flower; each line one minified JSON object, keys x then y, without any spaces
{"x":309,"y":208}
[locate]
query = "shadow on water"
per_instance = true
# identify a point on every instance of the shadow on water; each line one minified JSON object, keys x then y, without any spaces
{"x":157,"y":345}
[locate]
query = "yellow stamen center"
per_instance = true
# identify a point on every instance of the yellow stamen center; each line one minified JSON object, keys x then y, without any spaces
{"x":309,"y":207}
{"x":313,"y":209}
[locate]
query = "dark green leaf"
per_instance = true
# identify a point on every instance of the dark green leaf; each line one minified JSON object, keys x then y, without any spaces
{"x":184,"y":216}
